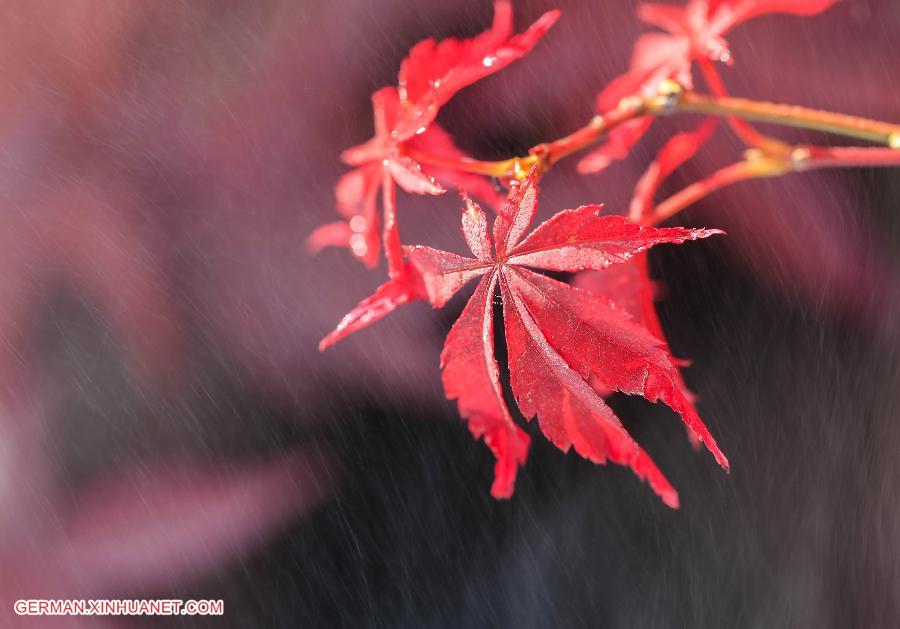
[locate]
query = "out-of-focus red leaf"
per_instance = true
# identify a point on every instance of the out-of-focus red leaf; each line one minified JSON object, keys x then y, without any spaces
{"x":436,"y":141}
{"x":329,"y":235}
{"x":622,"y":139}
{"x":677,"y":150}
{"x":617,"y":147}
{"x":743,"y":10}
{"x":658,"y":56}
{"x":630,"y":288}
{"x":88,"y":237}
{"x":682,"y":146}
{"x":668,"y":17}
{"x":619,"y":283}
{"x":357,"y":201}
{"x":409,"y":176}
{"x":693,"y":32}
{"x":150,"y":528}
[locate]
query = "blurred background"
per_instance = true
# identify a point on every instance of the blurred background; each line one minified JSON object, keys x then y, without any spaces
{"x":169,"y":429}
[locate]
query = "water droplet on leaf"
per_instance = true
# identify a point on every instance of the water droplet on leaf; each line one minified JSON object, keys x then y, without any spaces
{"x":358,"y":245}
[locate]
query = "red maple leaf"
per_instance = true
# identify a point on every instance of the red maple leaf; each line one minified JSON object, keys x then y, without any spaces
{"x":630,"y":288}
{"x":694,"y":32}
{"x":564,"y":344}
{"x":88,"y":236}
{"x":404,"y":124}
{"x":677,"y":150}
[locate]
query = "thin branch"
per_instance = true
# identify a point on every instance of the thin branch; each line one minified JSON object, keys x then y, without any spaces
{"x":810,"y":157}
{"x":747,"y":134}
{"x":791,"y":116}
{"x":758,"y":165}
{"x":753,"y":167}
{"x":673,"y":99}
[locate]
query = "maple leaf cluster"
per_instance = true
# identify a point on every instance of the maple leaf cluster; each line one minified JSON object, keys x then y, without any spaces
{"x":691,"y":33}
{"x":568,"y":346}
{"x":404,"y":122}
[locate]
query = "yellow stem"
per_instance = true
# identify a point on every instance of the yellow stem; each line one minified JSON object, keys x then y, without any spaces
{"x":673,"y":99}
{"x":792,"y":116}
{"x":747,"y":134}
{"x":755,"y":166}
{"x":758,"y":164}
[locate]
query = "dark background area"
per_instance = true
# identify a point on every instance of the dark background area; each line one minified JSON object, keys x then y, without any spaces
{"x":168,"y":428}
